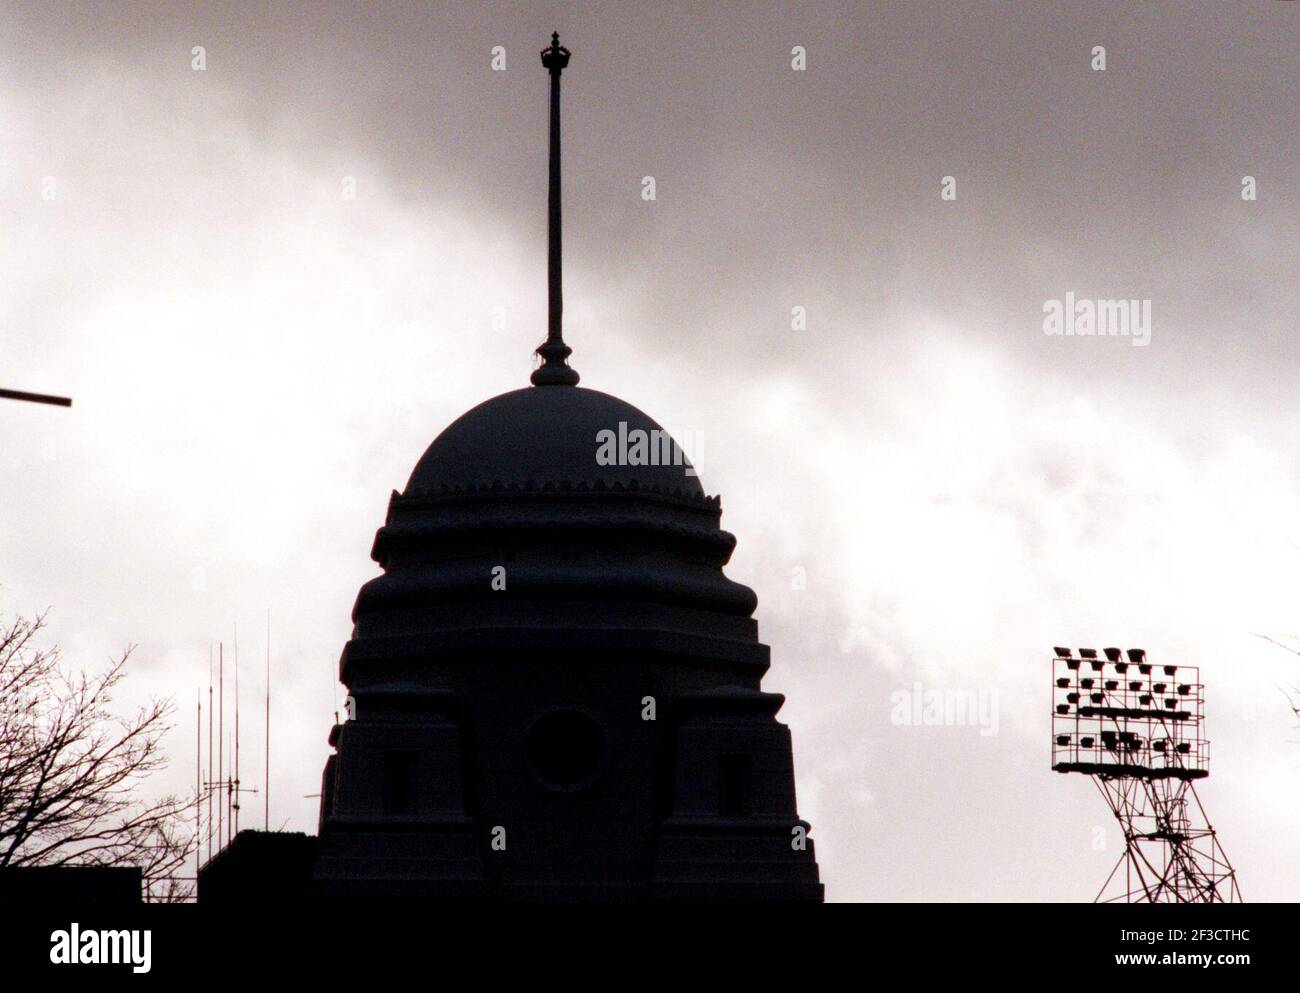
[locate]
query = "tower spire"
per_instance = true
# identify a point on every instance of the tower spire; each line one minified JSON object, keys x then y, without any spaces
{"x":554,"y":371}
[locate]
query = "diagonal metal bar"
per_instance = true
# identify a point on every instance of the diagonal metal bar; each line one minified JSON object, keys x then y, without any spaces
{"x":36,"y":398}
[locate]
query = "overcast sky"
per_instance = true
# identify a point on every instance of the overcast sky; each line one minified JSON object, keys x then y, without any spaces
{"x":256,"y":361}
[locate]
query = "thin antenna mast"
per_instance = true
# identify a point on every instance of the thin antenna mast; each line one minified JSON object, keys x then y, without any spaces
{"x":209,"y":750}
{"x":234,"y":793}
{"x":198,"y":784}
{"x":266,"y":783}
{"x":221,"y":731}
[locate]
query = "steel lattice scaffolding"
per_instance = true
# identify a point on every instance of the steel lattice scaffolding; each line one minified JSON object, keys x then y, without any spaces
{"x":1171,"y":853}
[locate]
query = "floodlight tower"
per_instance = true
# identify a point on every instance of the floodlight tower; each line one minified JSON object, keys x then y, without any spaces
{"x":1138,"y":731}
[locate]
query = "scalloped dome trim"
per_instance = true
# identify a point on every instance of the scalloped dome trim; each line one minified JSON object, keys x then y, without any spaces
{"x":675,"y":494}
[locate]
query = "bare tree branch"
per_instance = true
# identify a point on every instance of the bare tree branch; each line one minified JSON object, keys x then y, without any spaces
{"x":71,"y":772}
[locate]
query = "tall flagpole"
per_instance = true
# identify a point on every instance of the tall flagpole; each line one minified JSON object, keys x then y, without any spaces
{"x":554,"y":370}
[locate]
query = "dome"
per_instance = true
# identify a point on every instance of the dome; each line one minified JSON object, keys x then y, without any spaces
{"x":546,"y":435}
{"x":552,"y":567}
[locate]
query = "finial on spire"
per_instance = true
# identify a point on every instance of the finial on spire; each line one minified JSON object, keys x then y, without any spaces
{"x":556,"y":57}
{"x":554,"y":371}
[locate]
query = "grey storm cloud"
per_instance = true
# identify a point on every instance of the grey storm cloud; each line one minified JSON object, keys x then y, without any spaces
{"x":256,"y":363}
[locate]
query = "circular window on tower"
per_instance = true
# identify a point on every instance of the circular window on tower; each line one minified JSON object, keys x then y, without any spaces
{"x":566,"y":750}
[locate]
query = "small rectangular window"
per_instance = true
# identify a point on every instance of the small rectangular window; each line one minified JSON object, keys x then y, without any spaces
{"x":399,"y":782}
{"x":733,"y":784}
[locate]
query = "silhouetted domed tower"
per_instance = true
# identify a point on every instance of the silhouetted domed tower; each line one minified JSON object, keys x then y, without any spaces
{"x":557,"y":691}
